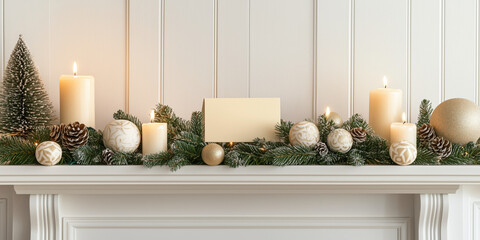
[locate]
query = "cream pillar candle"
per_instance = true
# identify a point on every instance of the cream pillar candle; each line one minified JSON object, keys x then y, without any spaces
{"x":403,"y":131}
{"x":77,"y":98}
{"x":154,"y":137}
{"x":385,"y":109}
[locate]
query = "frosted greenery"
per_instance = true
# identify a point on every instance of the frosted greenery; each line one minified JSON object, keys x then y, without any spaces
{"x":24,"y":103}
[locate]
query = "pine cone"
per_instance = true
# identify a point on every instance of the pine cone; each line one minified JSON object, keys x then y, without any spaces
{"x":359,"y":134}
{"x":107,"y":156}
{"x":441,"y":146}
{"x":426,"y":134}
{"x":74,"y":135}
{"x":321,"y":148}
{"x":56,"y":132}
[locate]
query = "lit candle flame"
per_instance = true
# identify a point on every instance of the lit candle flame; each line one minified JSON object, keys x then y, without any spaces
{"x":152,"y":116}
{"x":385,"y":80}
{"x":74,"y":68}
{"x":36,"y":144}
{"x":327,"y":112}
{"x":404,"y":117}
{"x":230,"y":144}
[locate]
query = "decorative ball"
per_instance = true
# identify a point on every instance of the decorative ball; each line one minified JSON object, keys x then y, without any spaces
{"x":304,"y":133}
{"x":48,"y":153}
{"x":457,"y":120}
{"x":213,"y":154}
{"x":340,"y":140}
{"x":121,"y":136}
{"x":403,"y":153}
{"x":336,"y":118}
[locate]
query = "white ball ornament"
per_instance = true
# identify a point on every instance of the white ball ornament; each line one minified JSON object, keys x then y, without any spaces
{"x":48,"y":153}
{"x":304,"y":133}
{"x":121,"y":136}
{"x":403,"y":153}
{"x":340,"y":140}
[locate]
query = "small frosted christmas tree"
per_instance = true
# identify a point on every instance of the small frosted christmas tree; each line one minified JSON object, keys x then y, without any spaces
{"x":24,"y":103}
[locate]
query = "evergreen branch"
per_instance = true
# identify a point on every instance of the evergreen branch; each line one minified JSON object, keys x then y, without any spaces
{"x":155,"y":159}
{"x":196,"y":124}
{"x":39,"y":134}
{"x":121,"y":115}
{"x":292,"y":155}
{"x":425,"y":112}
{"x":177,"y":162}
{"x":355,"y":158}
{"x":426,"y":157}
{"x":15,"y":150}
{"x":87,"y":155}
{"x":175,"y":125}
{"x":357,"y":121}
{"x":325,"y":127}
{"x":282,"y":130}
{"x":122,"y":158}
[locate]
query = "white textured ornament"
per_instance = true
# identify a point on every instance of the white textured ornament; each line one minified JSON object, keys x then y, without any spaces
{"x":48,"y":153}
{"x":304,"y":133}
{"x":403,"y":153}
{"x":340,"y":140}
{"x":121,"y":136}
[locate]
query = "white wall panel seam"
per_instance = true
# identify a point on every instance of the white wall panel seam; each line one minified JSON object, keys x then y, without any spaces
{"x":127,"y":55}
{"x":315,"y":55}
{"x":161,"y":67}
{"x":409,"y":59}
{"x":476,"y":74}
{"x":442,"y":51}
{"x":249,"y":50}
{"x":351,"y":56}
{"x":215,"y":48}
{"x":2,"y":39}
{"x":49,"y":80}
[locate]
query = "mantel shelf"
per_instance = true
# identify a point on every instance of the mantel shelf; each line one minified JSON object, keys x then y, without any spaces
{"x":261,"y":179}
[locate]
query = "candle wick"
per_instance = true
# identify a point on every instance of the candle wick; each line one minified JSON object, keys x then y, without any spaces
{"x":74,"y":74}
{"x":404,"y":122}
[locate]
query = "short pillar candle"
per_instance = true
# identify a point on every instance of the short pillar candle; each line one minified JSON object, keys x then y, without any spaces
{"x":154,"y":137}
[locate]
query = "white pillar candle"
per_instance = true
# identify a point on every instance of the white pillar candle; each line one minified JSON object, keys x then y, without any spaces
{"x":77,"y":98}
{"x":385,"y":109}
{"x":403,"y":131}
{"x":154,"y":137}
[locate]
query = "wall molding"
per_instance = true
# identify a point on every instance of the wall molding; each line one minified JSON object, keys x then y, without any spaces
{"x":315,"y":61}
{"x":215,"y":49}
{"x":476,"y":220}
{"x":351,"y":57}
{"x":442,"y":51}
{"x":127,"y":56}
{"x":161,"y":54}
{"x":477,"y":53}
{"x":2,"y":39}
{"x":401,"y":225}
{"x":3,"y":219}
{"x":409,"y":59}
{"x":433,"y":217}
{"x":44,"y":217}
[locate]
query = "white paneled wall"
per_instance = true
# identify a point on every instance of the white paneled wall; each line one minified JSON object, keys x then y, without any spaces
{"x":310,"y":53}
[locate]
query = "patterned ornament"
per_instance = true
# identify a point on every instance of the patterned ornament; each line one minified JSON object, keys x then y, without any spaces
{"x":321,"y":148}
{"x":359,"y":134}
{"x":403,"y":153}
{"x":48,"y":153}
{"x":457,"y":120}
{"x":304,"y":133}
{"x":74,"y":135}
{"x":56,"y":132}
{"x":121,"y":136}
{"x":441,"y":146}
{"x":107,"y":156}
{"x":340,"y":140}
{"x":213,"y":154}
{"x":426,"y":133}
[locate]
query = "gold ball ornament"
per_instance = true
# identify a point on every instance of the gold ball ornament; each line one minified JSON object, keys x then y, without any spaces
{"x":48,"y":153}
{"x":403,"y":153}
{"x":121,"y":136}
{"x":457,"y":120}
{"x":340,"y":140}
{"x":304,"y":133}
{"x":213,"y":154}
{"x":336,"y":118}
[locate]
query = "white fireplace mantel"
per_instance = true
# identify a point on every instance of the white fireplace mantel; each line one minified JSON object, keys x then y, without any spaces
{"x":47,"y":185}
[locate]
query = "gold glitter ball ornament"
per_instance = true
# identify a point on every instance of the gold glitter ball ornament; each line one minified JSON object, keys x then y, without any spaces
{"x":403,"y":153}
{"x":457,"y":120}
{"x":48,"y":153}
{"x":213,"y":154}
{"x":340,"y":140}
{"x":304,"y":133}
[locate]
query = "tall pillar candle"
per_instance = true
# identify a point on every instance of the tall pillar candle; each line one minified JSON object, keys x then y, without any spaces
{"x":403,"y":131}
{"x":385,"y":109}
{"x":154,"y":137}
{"x":77,"y":98}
